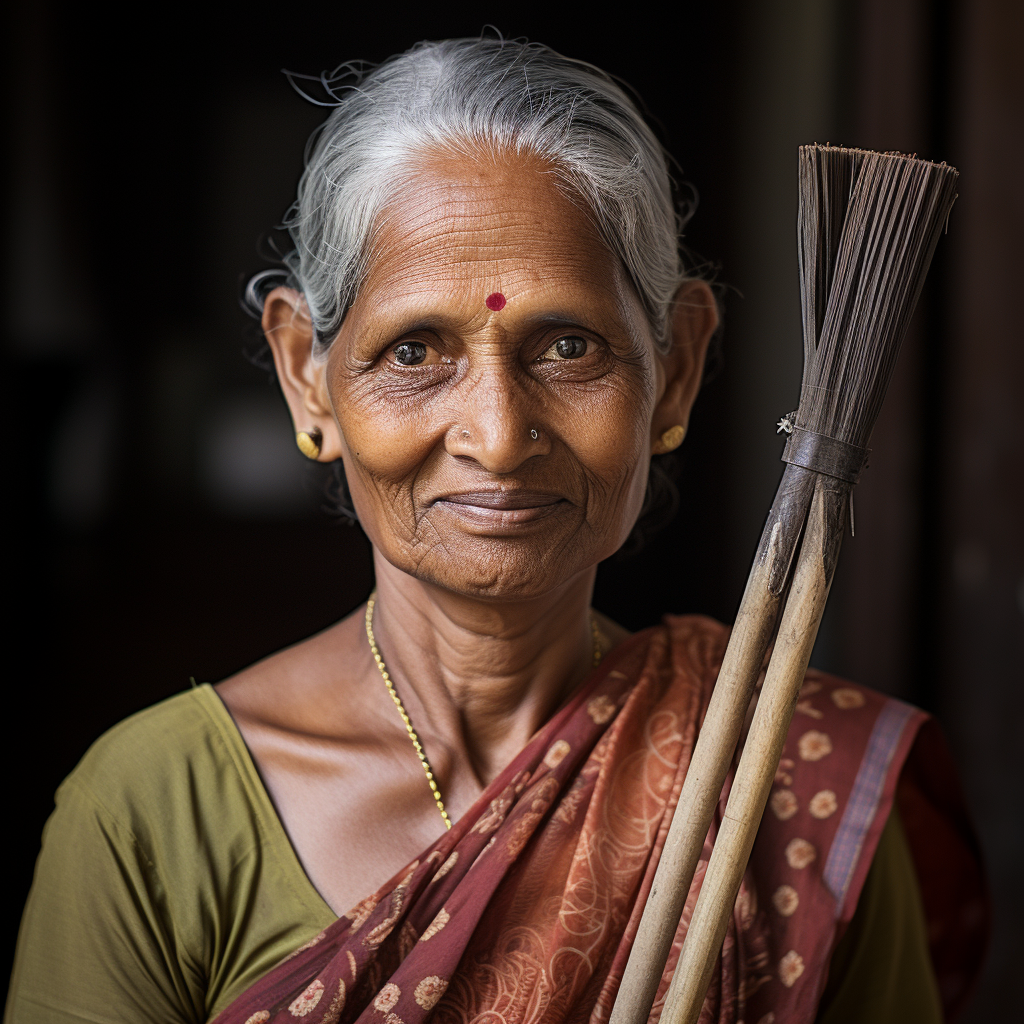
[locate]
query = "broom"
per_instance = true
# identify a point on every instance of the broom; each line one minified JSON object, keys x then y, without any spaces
{"x":868,"y":225}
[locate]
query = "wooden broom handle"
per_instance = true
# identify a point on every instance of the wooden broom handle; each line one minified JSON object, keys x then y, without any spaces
{"x":761,"y":753}
{"x":701,"y":790}
{"x":713,"y":752}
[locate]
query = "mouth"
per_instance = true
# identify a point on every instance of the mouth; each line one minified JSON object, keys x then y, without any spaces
{"x":500,"y":508}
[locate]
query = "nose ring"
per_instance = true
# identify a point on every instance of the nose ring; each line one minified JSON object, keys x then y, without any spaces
{"x":534,"y":434}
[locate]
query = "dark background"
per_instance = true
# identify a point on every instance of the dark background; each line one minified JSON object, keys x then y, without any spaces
{"x":163,"y":525}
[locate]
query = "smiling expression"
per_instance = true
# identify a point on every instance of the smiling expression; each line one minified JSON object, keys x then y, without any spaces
{"x":438,"y":389}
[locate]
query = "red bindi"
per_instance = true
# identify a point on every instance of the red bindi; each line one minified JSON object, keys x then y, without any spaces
{"x":495,"y":301}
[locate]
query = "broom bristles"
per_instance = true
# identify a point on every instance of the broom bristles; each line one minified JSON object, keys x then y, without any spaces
{"x":867,"y":228}
{"x":826,"y":179}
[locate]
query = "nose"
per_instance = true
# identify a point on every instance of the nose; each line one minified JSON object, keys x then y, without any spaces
{"x":497,"y":423}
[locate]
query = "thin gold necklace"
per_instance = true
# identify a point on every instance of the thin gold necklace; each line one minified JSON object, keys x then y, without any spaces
{"x":428,"y":771}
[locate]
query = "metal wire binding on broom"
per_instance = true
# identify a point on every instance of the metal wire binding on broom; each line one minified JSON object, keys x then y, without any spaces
{"x":823,"y":454}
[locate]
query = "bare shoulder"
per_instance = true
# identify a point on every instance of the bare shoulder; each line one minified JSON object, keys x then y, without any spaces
{"x":298,"y":688}
{"x":329,"y":750}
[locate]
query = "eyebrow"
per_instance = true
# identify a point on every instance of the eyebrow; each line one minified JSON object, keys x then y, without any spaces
{"x":558,"y":317}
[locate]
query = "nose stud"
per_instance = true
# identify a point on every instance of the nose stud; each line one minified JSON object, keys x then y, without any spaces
{"x":534,"y":434}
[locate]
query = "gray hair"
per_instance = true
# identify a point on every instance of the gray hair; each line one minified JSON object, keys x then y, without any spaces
{"x":461,"y":95}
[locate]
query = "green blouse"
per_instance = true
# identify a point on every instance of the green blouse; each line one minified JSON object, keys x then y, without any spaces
{"x":167,"y":885}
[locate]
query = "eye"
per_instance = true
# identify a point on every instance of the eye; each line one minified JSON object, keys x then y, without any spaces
{"x":571,"y":346}
{"x":410,"y":353}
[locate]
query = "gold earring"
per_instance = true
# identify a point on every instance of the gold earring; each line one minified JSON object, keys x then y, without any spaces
{"x":309,"y":442}
{"x":671,"y":439}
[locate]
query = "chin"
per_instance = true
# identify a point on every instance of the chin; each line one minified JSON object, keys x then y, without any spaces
{"x":508,"y":569}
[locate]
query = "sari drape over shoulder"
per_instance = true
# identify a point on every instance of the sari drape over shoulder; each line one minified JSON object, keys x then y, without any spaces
{"x":527,"y":908}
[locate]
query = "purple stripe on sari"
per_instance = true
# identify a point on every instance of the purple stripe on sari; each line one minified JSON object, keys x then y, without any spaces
{"x":863,"y":802}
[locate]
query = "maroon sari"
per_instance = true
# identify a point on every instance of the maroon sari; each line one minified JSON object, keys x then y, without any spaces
{"x":527,"y":908}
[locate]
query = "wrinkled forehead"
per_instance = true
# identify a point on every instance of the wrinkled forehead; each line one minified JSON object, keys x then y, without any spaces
{"x":472,"y":221}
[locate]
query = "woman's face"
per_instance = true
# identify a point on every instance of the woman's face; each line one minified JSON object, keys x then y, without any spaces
{"x":493,"y":384}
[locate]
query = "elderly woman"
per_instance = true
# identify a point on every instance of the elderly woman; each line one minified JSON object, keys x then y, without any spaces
{"x":450,"y":805}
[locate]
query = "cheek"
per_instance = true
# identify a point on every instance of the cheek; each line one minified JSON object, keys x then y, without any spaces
{"x":385,"y":443}
{"x":610,"y":437}
{"x":387,"y":447}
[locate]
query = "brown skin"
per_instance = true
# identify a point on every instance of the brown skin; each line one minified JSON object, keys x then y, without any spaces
{"x":486,"y":542}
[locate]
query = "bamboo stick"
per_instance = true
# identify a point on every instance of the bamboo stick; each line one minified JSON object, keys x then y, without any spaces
{"x":712,"y":754}
{"x":761,"y":752}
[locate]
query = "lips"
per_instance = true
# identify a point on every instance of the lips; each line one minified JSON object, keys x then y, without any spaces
{"x":505,"y":500}
{"x":500,"y":510}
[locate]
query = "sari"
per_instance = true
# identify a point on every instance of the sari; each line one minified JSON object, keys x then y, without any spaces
{"x":527,"y":908}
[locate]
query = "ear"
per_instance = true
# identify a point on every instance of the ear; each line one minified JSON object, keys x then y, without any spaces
{"x":694,"y":320}
{"x":289,"y":332}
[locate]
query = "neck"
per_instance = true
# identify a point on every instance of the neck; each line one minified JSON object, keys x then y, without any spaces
{"x":480,"y":677}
